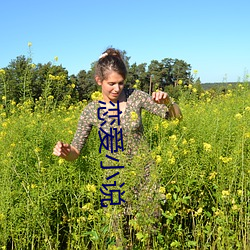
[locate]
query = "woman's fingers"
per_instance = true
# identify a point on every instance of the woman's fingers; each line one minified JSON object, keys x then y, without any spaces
{"x":160,"y":97}
{"x":61,"y":149}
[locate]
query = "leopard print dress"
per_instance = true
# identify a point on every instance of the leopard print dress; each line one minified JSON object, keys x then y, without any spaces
{"x":140,"y":186}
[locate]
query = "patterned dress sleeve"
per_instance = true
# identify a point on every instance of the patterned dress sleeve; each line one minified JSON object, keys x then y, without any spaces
{"x":84,"y":127}
{"x":151,"y":106}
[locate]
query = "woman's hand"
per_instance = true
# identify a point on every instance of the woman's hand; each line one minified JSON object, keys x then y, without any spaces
{"x":61,"y":149}
{"x":65,"y":151}
{"x":161,"y":97}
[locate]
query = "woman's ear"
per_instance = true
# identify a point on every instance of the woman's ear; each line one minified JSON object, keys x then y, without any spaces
{"x":98,"y":80}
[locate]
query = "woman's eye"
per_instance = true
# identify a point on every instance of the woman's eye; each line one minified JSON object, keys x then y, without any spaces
{"x":112,"y":83}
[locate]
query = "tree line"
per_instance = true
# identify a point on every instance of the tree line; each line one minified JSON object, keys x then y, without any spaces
{"x":22,"y":79}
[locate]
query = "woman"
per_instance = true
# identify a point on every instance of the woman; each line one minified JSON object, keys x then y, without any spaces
{"x":110,"y":74}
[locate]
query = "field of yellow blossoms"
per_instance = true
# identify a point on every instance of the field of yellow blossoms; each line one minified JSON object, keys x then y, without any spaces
{"x":202,"y":162}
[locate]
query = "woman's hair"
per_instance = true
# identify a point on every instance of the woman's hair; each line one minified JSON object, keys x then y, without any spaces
{"x":110,"y":60}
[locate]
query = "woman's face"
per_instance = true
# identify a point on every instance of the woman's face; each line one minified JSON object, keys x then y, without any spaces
{"x":112,"y":86}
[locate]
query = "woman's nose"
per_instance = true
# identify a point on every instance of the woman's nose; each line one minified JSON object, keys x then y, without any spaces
{"x":116,"y":87}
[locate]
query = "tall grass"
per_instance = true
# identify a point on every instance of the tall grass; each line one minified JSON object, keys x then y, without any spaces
{"x":203,"y":163}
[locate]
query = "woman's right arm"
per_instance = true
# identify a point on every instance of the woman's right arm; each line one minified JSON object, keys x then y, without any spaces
{"x":66,"y":151}
{"x":70,"y":152}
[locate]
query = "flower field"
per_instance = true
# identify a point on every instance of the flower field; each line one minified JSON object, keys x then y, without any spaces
{"x":202,"y":162}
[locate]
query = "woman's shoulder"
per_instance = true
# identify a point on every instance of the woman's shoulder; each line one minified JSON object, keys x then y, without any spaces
{"x":90,"y":107}
{"x":137,"y":96}
{"x":136,"y":93}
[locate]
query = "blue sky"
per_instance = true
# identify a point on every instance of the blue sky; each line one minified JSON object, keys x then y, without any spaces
{"x":212,"y":36}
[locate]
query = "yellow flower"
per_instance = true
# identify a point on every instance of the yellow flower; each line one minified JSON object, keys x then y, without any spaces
{"x":180,"y":82}
{"x":238,"y":116}
{"x":91,"y":188}
{"x":164,"y":124}
{"x":90,"y":217}
{"x":225,"y":193}
{"x":218,"y":212}
{"x":37,"y":149}
{"x":156,"y":127}
{"x":190,"y":86}
{"x":247,"y":135}
{"x":87,"y":207}
{"x":137,"y":81}
{"x":2,"y":72}
{"x":13,"y":103}
{"x":73,"y":85}
{"x":194,"y":90}
{"x":108,"y":215}
{"x":239,"y":192}
{"x":171,"y":160}
{"x":96,"y":96}
{"x":175,"y":122}
{"x":207,"y":147}
{"x":61,"y":161}
{"x":133,"y":116}
{"x":235,"y":207}
{"x":56,"y":58}
{"x":198,"y":212}
{"x":33,"y":186}
{"x":50,"y":97}
{"x":162,"y":190}
{"x":81,"y":219}
{"x":168,"y":196}
{"x":133,"y":173}
{"x":4,"y":124}
{"x":173,"y":137}
{"x":184,"y":141}
{"x":212,"y":175}
{"x":29,"y":44}
{"x":225,"y":159}
{"x":51,"y":77}
{"x":195,"y":71}
{"x":158,"y":159}
{"x":3,"y":97}
{"x":9,"y":154}
{"x":135,"y":86}
{"x":2,"y":217}
{"x":246,"y":108}
{"x":191,"y":140}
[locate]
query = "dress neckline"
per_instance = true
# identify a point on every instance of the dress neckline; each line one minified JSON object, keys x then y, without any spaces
{"x":126,"y":92}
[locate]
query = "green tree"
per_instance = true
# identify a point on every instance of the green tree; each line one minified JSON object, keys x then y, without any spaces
{"x":181,"y":71}
{"x":86,"y":84}
{"x":52,"y":80}
{"x":168,"y":72}
{"x":138,"y":73}
{"x":18,"y":79}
